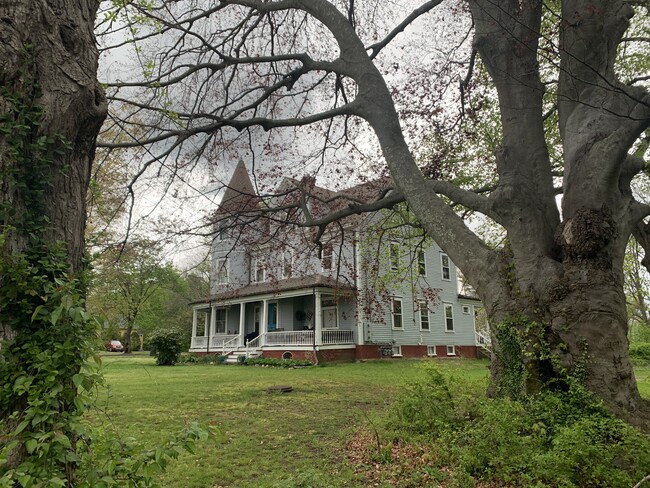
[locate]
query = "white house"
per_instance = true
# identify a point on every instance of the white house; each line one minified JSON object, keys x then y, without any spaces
{"x":365,"y":292}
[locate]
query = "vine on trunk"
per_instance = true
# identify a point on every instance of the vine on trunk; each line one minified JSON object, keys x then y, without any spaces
{"x":49,"y":368}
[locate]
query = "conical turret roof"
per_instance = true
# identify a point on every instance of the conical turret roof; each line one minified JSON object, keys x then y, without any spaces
{"x":240,"y":194}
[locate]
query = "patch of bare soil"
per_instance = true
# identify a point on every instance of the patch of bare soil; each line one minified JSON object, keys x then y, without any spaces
{"x":399,"y":464}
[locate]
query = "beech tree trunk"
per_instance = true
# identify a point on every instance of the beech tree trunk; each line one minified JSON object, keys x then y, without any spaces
{"x":51,"y":109}
{"x":49,"y":59}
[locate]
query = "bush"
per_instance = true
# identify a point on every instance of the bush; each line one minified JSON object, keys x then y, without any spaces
{"x":554,"y":439}
{"x":202,"y":359}
{"x":277,"y":363}
{"x":640,"y":351}
{"x":168,"y":346}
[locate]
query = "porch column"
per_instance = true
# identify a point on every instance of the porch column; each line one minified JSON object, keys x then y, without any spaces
{"x":318,"y":319}
{"x":264,"y":326}
{"x":194,"y":320}
{"x":242,"y":327}
{"x":213,"y":321}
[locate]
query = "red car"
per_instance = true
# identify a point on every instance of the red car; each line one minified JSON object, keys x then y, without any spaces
{"x":114,"y":346}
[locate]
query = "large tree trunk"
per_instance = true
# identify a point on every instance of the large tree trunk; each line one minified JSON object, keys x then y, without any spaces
{"x":52,"y":107}
{"x":572,"y":331}
{"x":49,"y":59}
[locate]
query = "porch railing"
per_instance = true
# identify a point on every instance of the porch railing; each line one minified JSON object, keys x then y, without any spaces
{"x":338,"y":336}
{"x":290,"y":338}
{"x":226,"y":343}
{"x":483,"y":340}
{"x":230,"y":345}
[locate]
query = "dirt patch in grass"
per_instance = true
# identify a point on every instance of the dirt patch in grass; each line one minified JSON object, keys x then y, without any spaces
{"x":398,"y":464}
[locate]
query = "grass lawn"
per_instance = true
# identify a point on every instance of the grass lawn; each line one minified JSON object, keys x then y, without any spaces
{"x":261,"y":439}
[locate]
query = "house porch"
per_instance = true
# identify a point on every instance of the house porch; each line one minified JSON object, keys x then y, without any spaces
{"x":304,"y":319}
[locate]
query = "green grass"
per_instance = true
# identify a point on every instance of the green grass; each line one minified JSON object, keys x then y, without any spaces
{"x":261,"y":439}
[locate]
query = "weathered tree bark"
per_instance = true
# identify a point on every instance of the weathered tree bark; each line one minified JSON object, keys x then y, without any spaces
{"x":48,"y":72}
{"x":51,"y":44}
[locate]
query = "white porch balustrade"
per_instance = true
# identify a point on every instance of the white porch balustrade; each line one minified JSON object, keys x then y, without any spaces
{"x":337,"y":336}
{"x":290,"y":338}
{"x":227,"y":342}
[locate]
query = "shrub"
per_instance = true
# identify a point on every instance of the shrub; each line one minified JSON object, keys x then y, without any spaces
{"x":640,"y":351}
{"x":277,"y":363}
{"x":168,"y":346}
{"x":202,"y":359}
{"x":555,"y":439}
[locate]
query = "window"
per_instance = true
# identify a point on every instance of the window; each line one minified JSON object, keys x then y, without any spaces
{"x":221,"y":232}
{"x":259,"y":270}
{"x":326,"y":258}
{"x":422,"y":264}
{"x":446,"y":270}
{"x":287,"y":264}
{"x":394,"y":256}
{"x":431,"y":351}
{"x":449,"y":317}
{"x":466,"y":309}
{"x":451,"y":350}
{"x":424,"y":315}
{"x":397,"y":351}
{"x":220,"y":321}
{"x":396,"y":313}
{"x":222,"y":270}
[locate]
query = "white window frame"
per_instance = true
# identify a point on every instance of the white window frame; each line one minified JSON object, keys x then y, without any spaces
{"x":287,"y":265}
{"x":450,"y":307}
{"x":431,"y":351}
{"x":225,"y":320}
{"x":327,"y":258}
{"x":451,"y":350}
{"x":421,"y":263}
{"x":444,"y":267}
{"x":466,"y":309}
{"x":397,"y":351}
{"x":423,"y":308}
{"x":258,"y":264}
{"x":394,"y":255}
{"x":222,"y":265}
{"x":221,"y":231}
{"x":393,"y":314}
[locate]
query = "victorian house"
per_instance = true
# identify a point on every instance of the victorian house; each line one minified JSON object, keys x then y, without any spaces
{"x":367,"y":289}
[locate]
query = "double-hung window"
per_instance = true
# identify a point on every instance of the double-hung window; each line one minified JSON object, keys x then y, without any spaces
{"x":287,"y":264}
{"x":449,"y":317}
{"x":424,"y":315}
{"x":446,"y":267}
{"x":394,"y":256}
{"x":259,"y":270}
{"x":396,"y":313}
{"x":327,"y":256}
{"x":222,"y":271}
{"x":422,"y":264}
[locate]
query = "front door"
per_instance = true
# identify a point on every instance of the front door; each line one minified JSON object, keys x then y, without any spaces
{"x":273,"y":316}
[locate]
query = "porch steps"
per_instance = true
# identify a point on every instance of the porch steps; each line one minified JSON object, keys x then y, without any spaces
{"x":231,"y":358}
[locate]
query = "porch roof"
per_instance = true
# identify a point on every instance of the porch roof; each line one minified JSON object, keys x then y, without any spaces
{"x":279,"y":287}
